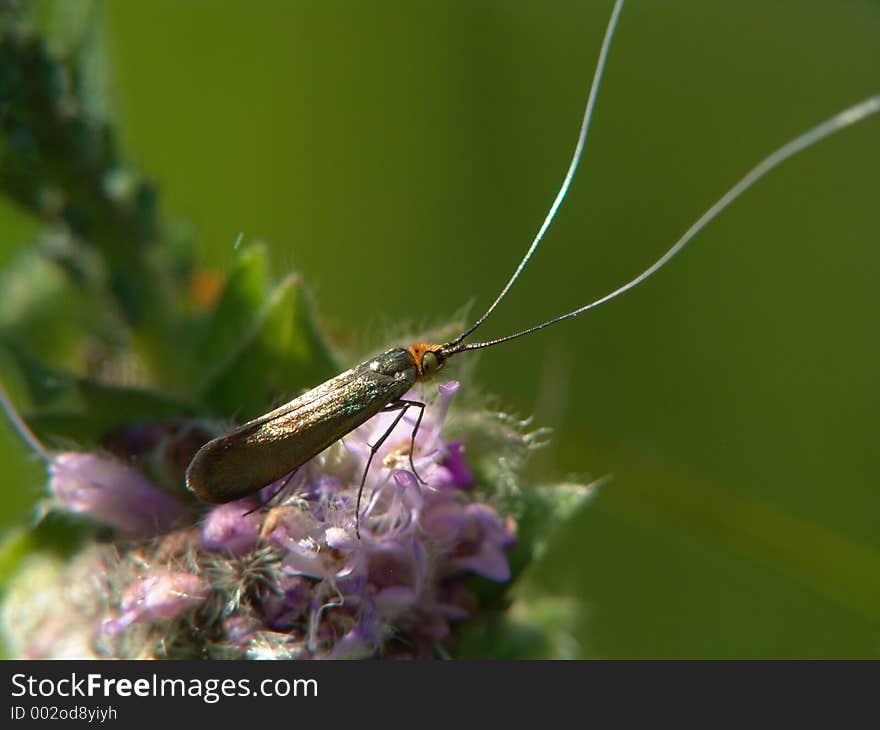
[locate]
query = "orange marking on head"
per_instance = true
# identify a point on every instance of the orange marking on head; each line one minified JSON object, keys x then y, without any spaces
{"x":418,"y":350}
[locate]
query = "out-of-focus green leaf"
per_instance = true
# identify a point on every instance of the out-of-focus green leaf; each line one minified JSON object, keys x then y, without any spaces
{"x":540,"y":628}
{"x":45,"y":385}
{"x":277,"y":353}
{"x":46,"y":313}
{"x":66,"y":429}
{"x":244,"y":295}
{"x":97,"y":408}
{"x":126,"y":405}
{"x":545,"y":511}
{"x":68,"y":410}
{"x":15,"y":546}
{"x":57,"y":533}
{"x":62,"y":533}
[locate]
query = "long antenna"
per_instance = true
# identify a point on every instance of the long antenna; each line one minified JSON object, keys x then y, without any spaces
{"x":569,"y":176}
{"x":839,"y":121}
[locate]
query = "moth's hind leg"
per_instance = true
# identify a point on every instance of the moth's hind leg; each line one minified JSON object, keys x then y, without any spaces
{"x":396,"y":406}
{"x":415,"y":432}
{"x":275,"y":494}
{"x":402,"y":406}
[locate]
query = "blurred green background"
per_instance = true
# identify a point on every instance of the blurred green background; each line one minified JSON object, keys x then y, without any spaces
{"x":401,"y":156}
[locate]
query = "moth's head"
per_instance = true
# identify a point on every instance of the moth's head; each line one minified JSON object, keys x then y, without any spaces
{"x":429,"y":359}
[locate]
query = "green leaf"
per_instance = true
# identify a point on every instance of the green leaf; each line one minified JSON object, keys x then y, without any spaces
{"x":16,"y":545}
{"x":45,"y":311}
{"x":45,"y":385}
{"x":530,"y":628}
{"x":68,"y":409}
{"x":244,"y":295}
{"x":121,"y":405}
{"x":545,"y":512}
{"x":95,"y":408}
{"x":279,"y":352}
{"x":57,"y":533}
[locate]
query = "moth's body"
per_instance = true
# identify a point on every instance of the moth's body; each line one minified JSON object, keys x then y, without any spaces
{"x":273,"y":445}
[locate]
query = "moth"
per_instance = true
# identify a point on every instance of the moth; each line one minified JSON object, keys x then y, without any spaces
{"x":274,"y":445}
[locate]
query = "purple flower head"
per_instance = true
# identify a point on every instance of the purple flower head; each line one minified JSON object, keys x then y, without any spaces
{"x":240,"y":628}
{"x":160,"y":596}
{"x":454,"y":469}
{"x":284,"y":601}
{"x":483,"y":538}
{"x":356,"y":644}
{"x":233,"y":527}
{"x":112,"y":493}
{"x":289,"y":577}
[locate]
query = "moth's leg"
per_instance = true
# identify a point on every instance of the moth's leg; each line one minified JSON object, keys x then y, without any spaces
{"x":275,"y":494}
{"x":396,"y":406}
{"x":412,"y":445}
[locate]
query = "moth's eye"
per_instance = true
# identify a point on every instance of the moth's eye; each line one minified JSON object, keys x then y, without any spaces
{"x":430,"y":364}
